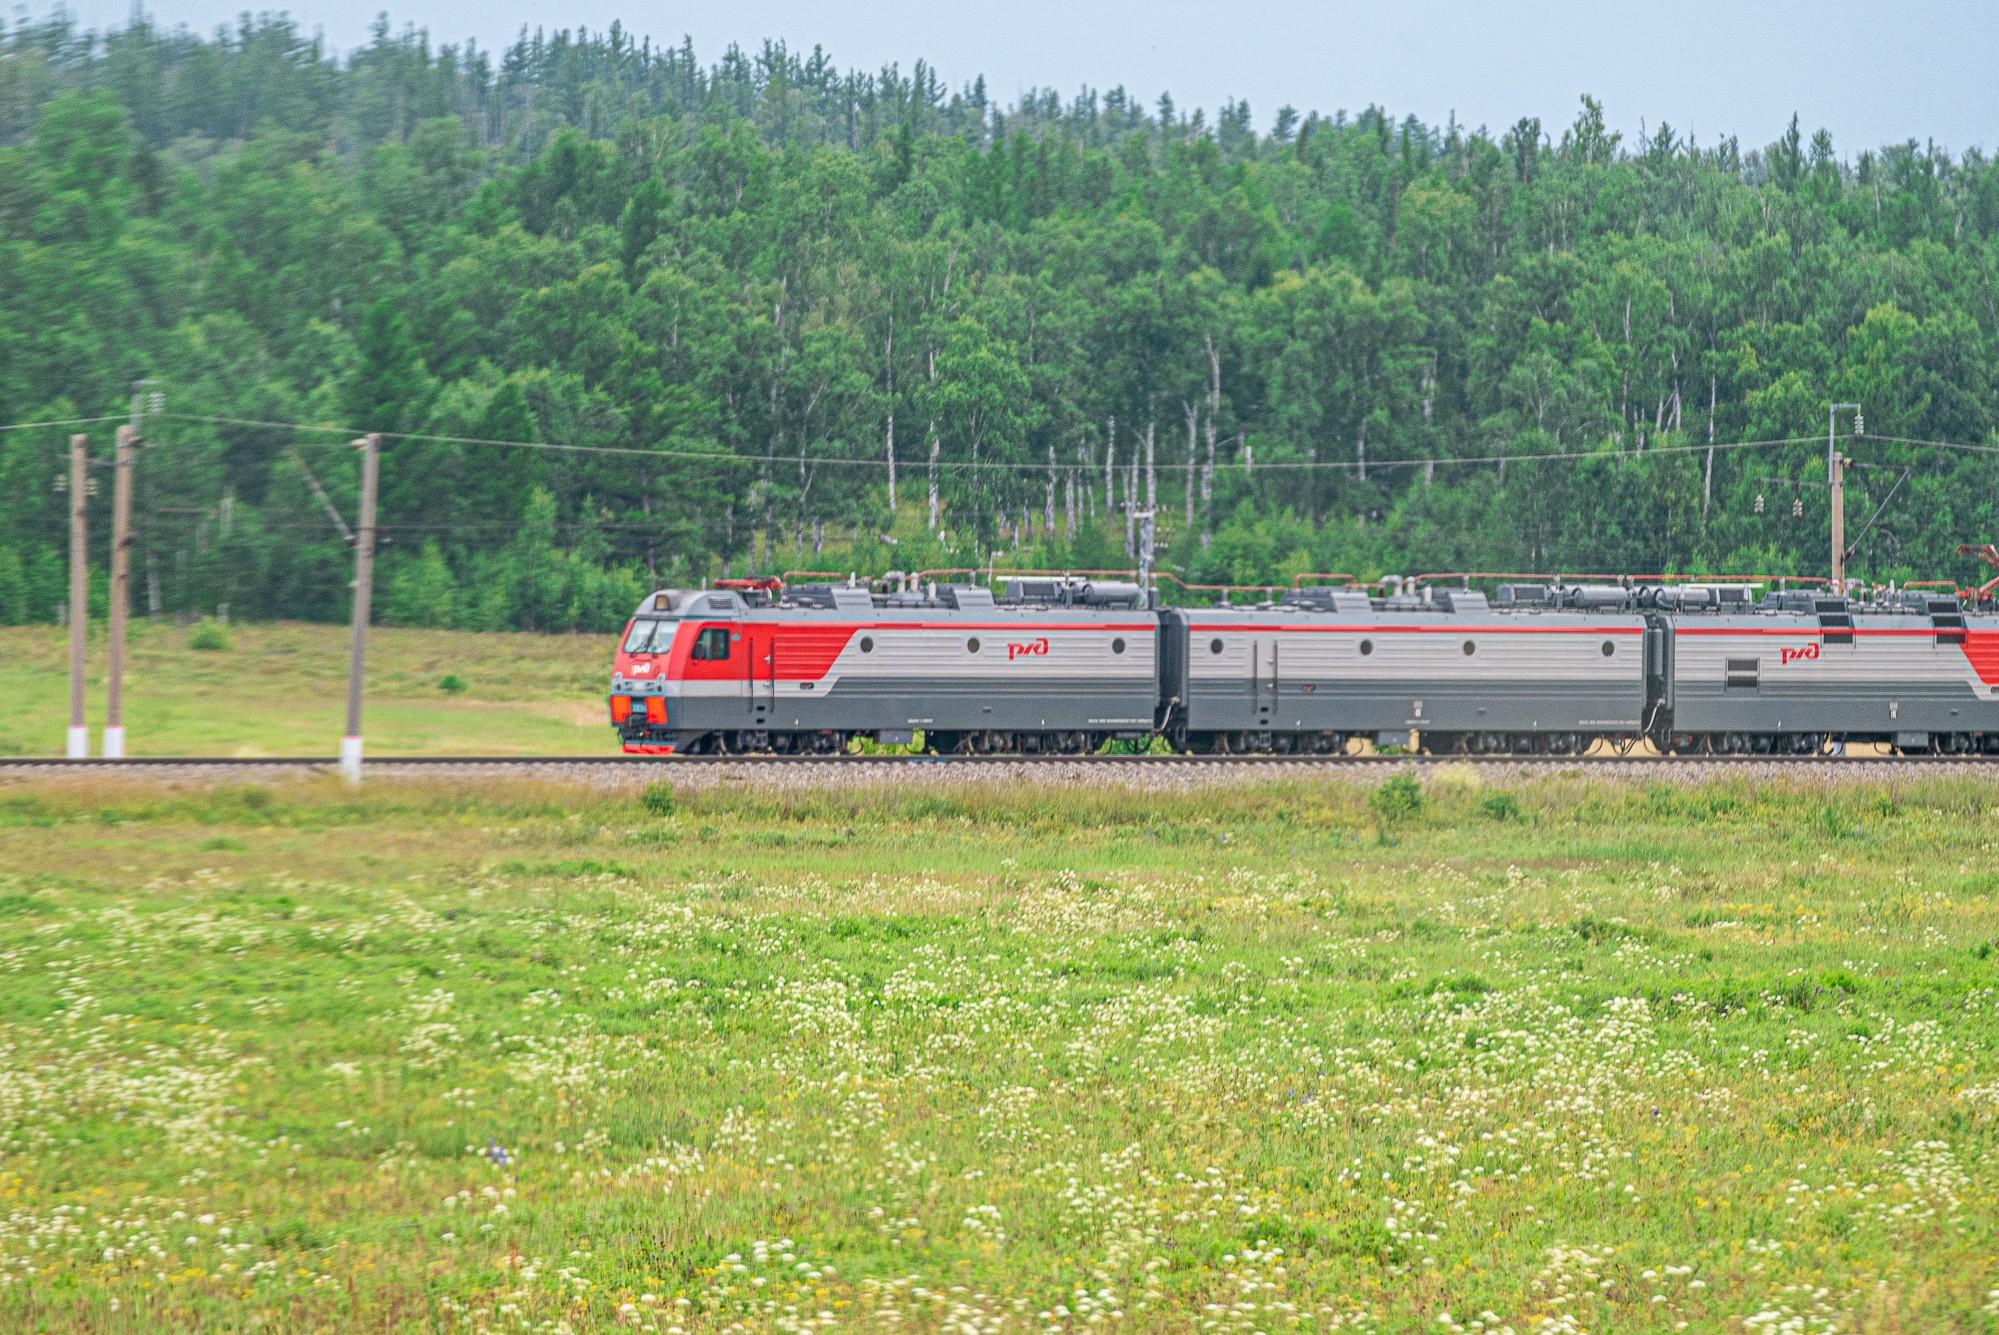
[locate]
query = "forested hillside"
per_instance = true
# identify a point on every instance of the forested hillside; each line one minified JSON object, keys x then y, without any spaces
{"x":858,"y":321}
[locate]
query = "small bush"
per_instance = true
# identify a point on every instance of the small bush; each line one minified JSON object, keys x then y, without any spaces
{"x":209,"y":638}
{"x":452,"y":684}
{"x":1400,"y":799}
{"x":657,"y":799}
{"x":1500,"y":806}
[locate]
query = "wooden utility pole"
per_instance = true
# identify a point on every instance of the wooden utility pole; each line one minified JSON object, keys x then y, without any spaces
{"x":370,"y":446}
{"x":1835,"y":466}
{"x":79,"y":591}
{"x":121,"y":566}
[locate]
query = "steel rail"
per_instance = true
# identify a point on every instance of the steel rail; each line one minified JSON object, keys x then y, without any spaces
{"x":894,"y":761}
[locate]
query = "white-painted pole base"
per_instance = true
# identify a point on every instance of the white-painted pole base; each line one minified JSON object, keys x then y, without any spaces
{"x":114,"y":743}
{"x":350,"y":760}
{"x":79,"y":743}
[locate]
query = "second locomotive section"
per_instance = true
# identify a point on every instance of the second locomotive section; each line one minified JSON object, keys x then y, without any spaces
{"x":1323,"y":667}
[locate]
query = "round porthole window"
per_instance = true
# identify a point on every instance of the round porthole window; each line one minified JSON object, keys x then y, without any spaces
{"x":1366,"y":648}
{"x":1470,"y":648}
{"x":1117,"y":646}
{"x":867,"y":644}
{"x":972,"y":645}
{"x":1608,"y":648}
{"x":1214,"y":646}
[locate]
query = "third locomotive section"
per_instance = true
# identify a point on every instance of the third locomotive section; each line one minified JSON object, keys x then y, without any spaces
{"x":1063,"y":666}
{"x":1799,"y":674}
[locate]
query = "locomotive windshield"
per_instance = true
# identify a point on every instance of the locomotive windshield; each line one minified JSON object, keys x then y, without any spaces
{"x":649,"y":637}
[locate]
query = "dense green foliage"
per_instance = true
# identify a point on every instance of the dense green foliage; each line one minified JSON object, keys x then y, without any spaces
{"x":767,"y":277}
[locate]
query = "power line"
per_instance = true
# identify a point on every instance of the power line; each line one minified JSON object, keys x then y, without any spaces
{"x":966,"y":465}
{"x":1933,"y":444}
{"x":62,"y":421}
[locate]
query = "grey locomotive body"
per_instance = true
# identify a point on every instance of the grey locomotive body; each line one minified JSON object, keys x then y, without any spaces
{"x":1800,"y":671}
{"x":1324,"y":667}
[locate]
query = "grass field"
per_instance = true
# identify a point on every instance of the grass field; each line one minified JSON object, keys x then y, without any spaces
{"x":280,"y":688}
{"x":1559,"y":1058}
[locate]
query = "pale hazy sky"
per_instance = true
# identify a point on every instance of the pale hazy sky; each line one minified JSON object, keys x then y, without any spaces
{"x":1871,"y":71}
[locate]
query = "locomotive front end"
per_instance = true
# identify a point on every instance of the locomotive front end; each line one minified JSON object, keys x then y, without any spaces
{"x":640,"y":696}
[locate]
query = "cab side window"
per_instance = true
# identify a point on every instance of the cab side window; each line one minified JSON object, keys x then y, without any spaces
{"x":712,"y":644}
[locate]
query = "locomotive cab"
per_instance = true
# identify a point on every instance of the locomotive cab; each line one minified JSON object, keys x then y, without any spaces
{"x":670,"y":631}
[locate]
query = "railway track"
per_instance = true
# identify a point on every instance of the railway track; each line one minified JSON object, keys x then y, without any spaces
{"x":820,"y":769}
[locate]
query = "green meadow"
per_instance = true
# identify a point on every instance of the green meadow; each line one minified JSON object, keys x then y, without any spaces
{"x":1563,"y":1056}
{"x":279,"y":688}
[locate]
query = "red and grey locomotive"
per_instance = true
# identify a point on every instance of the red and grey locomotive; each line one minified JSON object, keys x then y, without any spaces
{"x":1061,"y":666}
